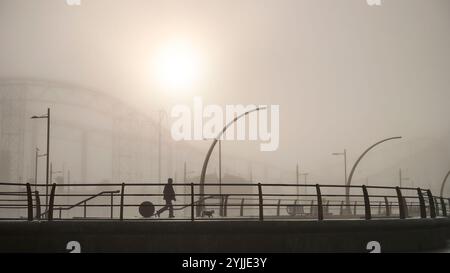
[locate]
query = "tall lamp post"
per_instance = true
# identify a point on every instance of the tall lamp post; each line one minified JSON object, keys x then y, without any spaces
{"x":48,"y":153}
{"x":401,"y":178}
{"x":305,"y":175}
{"x":220,"y":166}
{"x":37,"y":156}
{"x":347,"y":189}
{"x":208,"y":155}
{"x":54,"y":172}
{"x":345,"y":164}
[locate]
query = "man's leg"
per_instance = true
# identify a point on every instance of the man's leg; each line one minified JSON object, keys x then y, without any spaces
{"x":169,"y":204}
{"x":161,"y":210}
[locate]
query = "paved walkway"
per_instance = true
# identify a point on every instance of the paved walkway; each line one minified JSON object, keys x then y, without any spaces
{"x":444,"y":250}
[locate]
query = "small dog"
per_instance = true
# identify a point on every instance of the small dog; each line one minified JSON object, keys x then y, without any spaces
{"x":208,"y":213}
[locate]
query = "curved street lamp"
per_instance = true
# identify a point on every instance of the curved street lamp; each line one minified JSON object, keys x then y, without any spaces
{"x":347,"y":189}
{"x":208,"y":155}
{"x":443,"y":183}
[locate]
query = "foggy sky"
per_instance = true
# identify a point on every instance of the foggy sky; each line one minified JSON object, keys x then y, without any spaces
{"x":344,"y":74}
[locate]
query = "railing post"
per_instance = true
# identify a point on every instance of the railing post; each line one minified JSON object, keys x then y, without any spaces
{"x":220,"y":205}
{"x":85,"y":210}
{"x":423,"y":209}
{"x":401,"y":206}
{"x":448,"y":201}
{"x":112,"y":205}
{"x":368,"y":212}
{"x":387,"y":207}
{"x":51,"y":203}
{"x":122,"y":194}
{"x":406,"y":207}
{"x":30,"y":202}
{"x":38,"y":205}
{"x":192,"y":202}
{"x":242,"y":207}
{"x":319,"y":203}
{"x":225,"y":206}
{"x":341,"y":211}
{"x":60,"y":214}
{"x":436,"y":206}
{"x":444,"y":208}
{"x":432,"y":206}
{"x":261,"y":209}
{"x":278,"y":207}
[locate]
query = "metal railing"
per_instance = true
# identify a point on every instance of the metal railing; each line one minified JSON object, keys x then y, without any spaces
{"x":84,"y":203}
{"x":263,"y":202}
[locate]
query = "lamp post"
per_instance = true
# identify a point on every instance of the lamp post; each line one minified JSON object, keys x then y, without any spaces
{"x":349,"y":181}
{"x":305,"y":176}
{"x":345,"y":164}
{"x":401,"y":178}
{"x":208,"y":155}
{"x":161,"y":114}
{"x":220,"y":165}
{"x":48,"y":152}
{"x":54,"y":172}
{"x":37,"y":156}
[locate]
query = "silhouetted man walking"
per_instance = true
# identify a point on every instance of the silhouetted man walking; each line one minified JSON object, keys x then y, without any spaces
{"x":169,"y":195}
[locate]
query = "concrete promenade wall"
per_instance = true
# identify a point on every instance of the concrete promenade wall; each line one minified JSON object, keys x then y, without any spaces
{"x":225,"y":236}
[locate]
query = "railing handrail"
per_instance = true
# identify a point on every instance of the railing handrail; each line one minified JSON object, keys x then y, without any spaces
{"x":213,"y":184}
{"x":81,"y":202}
{"x":198,"y":201}
{"x":432,"y":204}
{"x":88,"y":199}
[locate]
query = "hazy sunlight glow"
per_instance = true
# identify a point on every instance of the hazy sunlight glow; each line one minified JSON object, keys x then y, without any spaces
{"x":177,"y":66}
